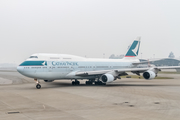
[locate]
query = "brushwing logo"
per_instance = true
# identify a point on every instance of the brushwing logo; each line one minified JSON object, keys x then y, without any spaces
{"x":135,"y":50}
{"x":44,"y":63}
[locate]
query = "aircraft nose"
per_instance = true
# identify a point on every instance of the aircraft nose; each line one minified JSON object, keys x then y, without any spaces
{"x":19,"y":69}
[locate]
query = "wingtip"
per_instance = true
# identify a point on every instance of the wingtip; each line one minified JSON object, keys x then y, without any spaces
{"x":138,"y":38}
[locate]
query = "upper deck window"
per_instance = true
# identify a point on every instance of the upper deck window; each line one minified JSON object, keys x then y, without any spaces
{"x":66,"y":58}
{"x":54,"y":57}
{"x":33,"y":57}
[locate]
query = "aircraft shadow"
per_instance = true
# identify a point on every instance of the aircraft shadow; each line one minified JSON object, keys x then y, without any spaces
{"x":65,"y":84}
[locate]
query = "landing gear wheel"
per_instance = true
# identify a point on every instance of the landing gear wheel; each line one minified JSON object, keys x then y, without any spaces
{"x":88,"y":83}
{"x":38,"y":86}
{"x":75,"y":82}
{"x":99,"y":83}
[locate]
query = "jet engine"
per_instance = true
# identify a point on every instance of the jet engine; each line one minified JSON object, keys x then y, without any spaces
{"x":148,"y":75}
{"x":106,"y":78}
{"x":48,"y":80}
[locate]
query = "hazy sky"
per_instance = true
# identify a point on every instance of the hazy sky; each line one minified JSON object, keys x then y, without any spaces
{"x":88,"y":27}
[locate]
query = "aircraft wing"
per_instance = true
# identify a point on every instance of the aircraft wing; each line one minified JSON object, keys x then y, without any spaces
{"x":88,"y":73}
{"x":119,"y":71}
{"x":101,"y":72}
{"x":148,"y":61}
{"x":168,"y":67}
{"x":137,"y":63}
{"x":148,"y":68}
{"x":145,"y":62}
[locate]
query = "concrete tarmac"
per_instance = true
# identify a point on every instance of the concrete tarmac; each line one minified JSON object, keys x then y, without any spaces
{"x":125,"y":99}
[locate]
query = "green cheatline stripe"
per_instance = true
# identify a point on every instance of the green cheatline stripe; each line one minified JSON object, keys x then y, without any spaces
{"x":33,"y":63}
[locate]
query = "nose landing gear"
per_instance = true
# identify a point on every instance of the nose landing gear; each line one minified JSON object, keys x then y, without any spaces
{"x":38,"y":86}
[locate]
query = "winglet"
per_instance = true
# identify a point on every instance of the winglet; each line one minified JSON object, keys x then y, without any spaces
{"x":134,"y":49}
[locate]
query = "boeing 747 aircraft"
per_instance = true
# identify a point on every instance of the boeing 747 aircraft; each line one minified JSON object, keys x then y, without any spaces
{"x":50,"y":67}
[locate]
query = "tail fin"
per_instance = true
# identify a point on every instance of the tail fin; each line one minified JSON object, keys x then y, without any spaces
{"x":134,"y":49}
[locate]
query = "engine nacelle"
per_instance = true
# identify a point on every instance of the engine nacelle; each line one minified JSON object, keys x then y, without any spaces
{"x":107,"y":78}
{"x":48,"y":80}
{"x":148,"y":75}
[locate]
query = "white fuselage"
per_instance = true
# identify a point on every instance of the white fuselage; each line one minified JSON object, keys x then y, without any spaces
{"x":62,"y":66}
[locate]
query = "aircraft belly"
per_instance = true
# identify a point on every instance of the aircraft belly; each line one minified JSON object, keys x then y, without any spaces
{"x":44,"y":75}
{"x":49,"y":75}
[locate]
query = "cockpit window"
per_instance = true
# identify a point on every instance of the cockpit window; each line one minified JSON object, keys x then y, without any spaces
{"x":33,"y":57}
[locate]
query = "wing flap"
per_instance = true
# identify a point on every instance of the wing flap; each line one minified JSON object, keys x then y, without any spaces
{"x":101,"y":72}
{"x":133,"y":70}
{"x":168,"y":67}
{"x":90,"y":73}
{"x":148,"y":61}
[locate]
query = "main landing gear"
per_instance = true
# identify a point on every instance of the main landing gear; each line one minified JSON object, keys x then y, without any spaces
{"x":92,"y":81}
{"x":38,"y":86}
{"x":89,"y":82}
{"x":76,"y":82}
{"x":99,"y":83}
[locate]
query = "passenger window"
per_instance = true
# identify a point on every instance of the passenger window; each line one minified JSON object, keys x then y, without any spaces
{"x":33,"y":57}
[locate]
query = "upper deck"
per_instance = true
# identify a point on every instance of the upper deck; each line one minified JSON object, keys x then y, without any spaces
{"x":67,"y":57}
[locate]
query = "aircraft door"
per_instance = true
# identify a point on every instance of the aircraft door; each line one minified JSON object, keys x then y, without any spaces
{"x":71,"y":68}
{"x":50,"y":68}
{"x":94,"y":67}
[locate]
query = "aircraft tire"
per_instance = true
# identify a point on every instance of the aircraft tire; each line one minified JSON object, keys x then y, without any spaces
{"x":73,"y":83}
{"x":101,"y":83}
{"x":88,"y":82}
{"x":78,"y":82}
{"x":38,"y":86}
